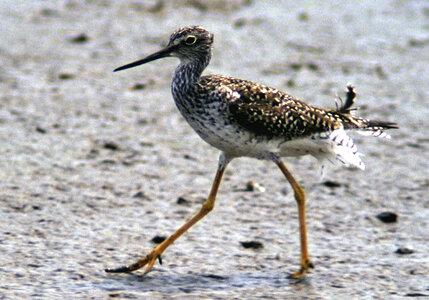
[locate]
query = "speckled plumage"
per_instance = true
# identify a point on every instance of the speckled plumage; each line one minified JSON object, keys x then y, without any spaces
{"x":242,"y":118}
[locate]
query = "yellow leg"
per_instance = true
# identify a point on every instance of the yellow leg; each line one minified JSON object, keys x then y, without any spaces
{"x":150,"y":259}
{"x":300,"y":199}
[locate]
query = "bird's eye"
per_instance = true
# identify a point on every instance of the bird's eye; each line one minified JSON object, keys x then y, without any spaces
{"x":190,"y":40}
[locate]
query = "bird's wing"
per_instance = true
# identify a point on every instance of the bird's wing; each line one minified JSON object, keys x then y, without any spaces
{"x":269,"y":112}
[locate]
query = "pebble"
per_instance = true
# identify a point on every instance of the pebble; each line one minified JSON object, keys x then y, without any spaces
{"x":111,"y":146}
{"x":253,"y":186}
{"x":252,"y":245}
{"x":157,"y":239}
{"x":182,"y":201}
{"x":404,"y":250}
{"x":80,"y":39}
{"x":387,"y":217}
{"x":331,"y":184}
{"x":141,"y":195}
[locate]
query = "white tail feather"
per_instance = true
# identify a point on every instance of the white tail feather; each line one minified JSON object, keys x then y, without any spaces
{"x":377,"y":133}
{"x":341,"y":149}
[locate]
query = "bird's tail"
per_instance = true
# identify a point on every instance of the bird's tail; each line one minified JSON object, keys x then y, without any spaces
{"x":375,"y":128}
{"x":361,"y":125}
{"x":343,"y":149}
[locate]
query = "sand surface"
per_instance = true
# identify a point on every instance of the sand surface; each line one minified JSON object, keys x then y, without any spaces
{"x":92,"y":162}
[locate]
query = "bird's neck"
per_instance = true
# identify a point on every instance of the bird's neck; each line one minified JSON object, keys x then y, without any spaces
{"x":188,"y":73}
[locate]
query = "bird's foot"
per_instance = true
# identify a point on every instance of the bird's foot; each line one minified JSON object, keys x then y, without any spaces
{"x":305,"y":266}
{"x":147,"y":261}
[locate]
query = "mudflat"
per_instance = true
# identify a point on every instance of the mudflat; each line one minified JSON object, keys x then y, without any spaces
{"x":95,"y":166}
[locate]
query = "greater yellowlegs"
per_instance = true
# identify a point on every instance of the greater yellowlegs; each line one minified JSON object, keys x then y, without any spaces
{"x":243,"y":118}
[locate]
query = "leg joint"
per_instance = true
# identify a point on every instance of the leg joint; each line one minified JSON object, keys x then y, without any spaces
{"x":299,"y":192}
{"x":208,"y":206}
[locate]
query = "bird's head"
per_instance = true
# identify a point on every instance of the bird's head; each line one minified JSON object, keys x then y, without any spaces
{"x":189,"y":43}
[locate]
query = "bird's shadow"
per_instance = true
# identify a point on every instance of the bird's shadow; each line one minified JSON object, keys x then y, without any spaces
{"x":194,"y":281}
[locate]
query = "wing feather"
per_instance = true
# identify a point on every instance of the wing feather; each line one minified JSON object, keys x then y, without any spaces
{"x":269,"y":112}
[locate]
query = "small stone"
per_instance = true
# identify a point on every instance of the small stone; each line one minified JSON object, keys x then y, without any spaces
{"x":414,"y":145}
{"x":416,"y":295}
{"x":41,"y":130}
{"x":253,"y":186}
{"x":290,"y":83}
{"x":189,"y":157}
{"x":404,"y":250}
{"x":139,"y":86}
{"x":240,"y":23}
{"x":142,"y":121}
{"x":65,"y":76}
{"x":182,"y":200}
{"x":108,"y":161}
{"x":303,"y":16}
{"x":93,"y":152}
{"x":380,"y":72}
{"x":312,"y":66}
{"x":252,"y":245}
{"x":80,"y":39}
{"x":331,"y":184}
{"x":213,"y":276}
{"x":284,"y":191}
{"x":158,"y":239}
{"x":418,"y":42}
{"x":48,"y":12}
{"x":296,"y":66}
{"x":141,"y":195}
{"x":111,"y":146}
{"x":387,"y":217}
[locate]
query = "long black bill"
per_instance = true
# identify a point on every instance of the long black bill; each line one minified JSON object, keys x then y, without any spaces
{"x":166,"y":52}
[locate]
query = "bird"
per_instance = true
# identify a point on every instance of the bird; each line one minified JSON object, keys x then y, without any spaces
{"x":245,"y":119}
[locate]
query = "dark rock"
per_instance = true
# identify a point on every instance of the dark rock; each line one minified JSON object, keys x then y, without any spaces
{"x":418,"y":42}
{"x":312,"y":66}
{"x":416,"y":295}
{"x":252,"y":245}
{"x":108,"y":161}
{"x":296,"y":66}
{"x":404,"y":251}
{"x":303,"y":16}
{"x":41,"y":130}
{"x":213,"y":276}
{"x":331,"y":184}
{"x":158,"y":239}
{"x":290,"y":83}
{"x":65,"y":76}
{"x":387,"y":217}
{"x":141,"y":195}
{"x":111,"y":146}
{"x":182,"y":200}
{"x":139,"y":86}
{"x":48,"y":12}
{"x":189,"y":157}
{"x":80,"y":39}
{"x":253,"y":186}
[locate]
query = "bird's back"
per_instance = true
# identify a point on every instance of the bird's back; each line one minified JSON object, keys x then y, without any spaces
{"x":269,"y":112}
{"x":255,"y":114}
